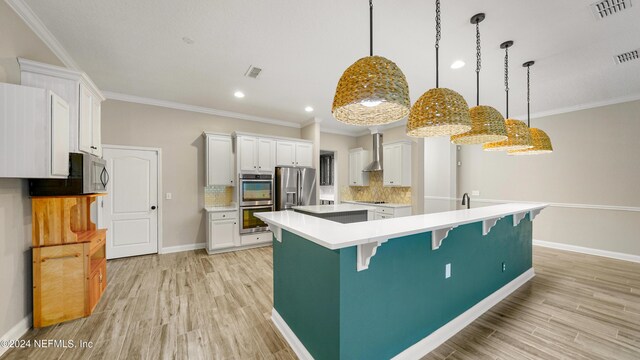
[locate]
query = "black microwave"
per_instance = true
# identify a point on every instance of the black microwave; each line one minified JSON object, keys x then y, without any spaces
{"x":87,"y":175}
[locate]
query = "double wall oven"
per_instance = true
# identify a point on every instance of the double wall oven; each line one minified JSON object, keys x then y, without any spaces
{"x":256,"y":195}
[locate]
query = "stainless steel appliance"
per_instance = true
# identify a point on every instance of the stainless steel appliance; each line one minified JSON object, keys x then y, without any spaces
{"x":87,"y":175}
{"x":256,"y":189}
{"x":251,"y":224}
{"x":256,"y":195}
{"x":295,"y":186}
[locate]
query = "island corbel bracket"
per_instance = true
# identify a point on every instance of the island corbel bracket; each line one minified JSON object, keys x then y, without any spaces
{"x":534,"y":213}
{"x":437,"y":236}
{"x":366,"y":252}
{"x":277,"y":232}
{"x":517,"y":217}
{"x":488,"y":224}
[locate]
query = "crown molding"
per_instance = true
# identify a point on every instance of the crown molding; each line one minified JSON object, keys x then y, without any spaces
{"x":35,"y":24}
{"x":580,"y":107}
{"x":339,"y":132}
{"x":110,"y":95}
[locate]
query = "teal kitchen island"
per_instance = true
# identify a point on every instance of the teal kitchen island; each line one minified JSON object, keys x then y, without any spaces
{"x":393,"y":288}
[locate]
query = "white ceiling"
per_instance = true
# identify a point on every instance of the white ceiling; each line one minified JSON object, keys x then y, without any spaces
{"x":136,"y":48}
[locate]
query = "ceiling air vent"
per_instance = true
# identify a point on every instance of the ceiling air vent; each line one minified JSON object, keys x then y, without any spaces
{"x":605,"y":8}
{"x":628,"y":56}
{"x":253,"y":72}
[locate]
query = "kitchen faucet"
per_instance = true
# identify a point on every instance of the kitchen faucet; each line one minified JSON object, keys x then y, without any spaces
{"x":466,"y":200}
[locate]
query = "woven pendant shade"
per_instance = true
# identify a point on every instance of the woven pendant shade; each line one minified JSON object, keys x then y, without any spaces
{"x":487,"y":125}
{"x":439,"y":112}
{"x":374,"y":81}
{"x":541,"y":144}
{"x":519,"y":138}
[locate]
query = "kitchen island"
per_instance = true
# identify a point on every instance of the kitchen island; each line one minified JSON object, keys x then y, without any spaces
{"x":393,"y":288}
{"x":342,"y":213}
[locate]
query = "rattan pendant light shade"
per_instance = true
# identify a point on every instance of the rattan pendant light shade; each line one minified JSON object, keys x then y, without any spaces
{"x":539,"y":139}
{"x":541,"y":144}
{"x":487,"y":124}
{"x":439,"y":111}
{"x":372,"y":91}
{"x":518,"y":135}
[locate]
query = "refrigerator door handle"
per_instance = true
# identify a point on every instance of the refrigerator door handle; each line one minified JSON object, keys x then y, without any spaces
{"x":298,"y":187}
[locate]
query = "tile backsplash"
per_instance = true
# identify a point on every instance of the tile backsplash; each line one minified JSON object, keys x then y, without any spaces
{"x":218,"y":195}
{"x":376,"y":192}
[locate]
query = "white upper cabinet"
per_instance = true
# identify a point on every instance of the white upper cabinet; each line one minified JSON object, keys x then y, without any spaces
{"x":292,"y":153}
{"x":34,"y":140}
{"x":255,"y":155}
{"x":219,"y":160}
{"x":83,"y":97}
{"x":358,"y":159}
{"x":397,"y":164}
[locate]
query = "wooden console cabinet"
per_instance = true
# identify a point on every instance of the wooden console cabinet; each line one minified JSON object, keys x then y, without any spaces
{"x":69,"y":259}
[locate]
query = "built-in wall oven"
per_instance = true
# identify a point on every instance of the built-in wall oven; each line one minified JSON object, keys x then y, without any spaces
{"x":255,"y":195}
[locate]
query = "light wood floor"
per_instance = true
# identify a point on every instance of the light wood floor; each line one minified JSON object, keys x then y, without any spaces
{"x":195,"y":306}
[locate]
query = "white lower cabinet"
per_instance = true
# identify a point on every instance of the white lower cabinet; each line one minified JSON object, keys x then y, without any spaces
{"x":383,"y":212}
{"x":254,"y":239}
{"x":222,"y":230}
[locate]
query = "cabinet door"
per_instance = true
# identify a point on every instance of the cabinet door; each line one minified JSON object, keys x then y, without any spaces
{"x":85,"y":121}
{"x":392,"y":165}
{"x":59,"y":136}
{"x":266,"y":154}
{"x":96,"y":135}
{"x":353,"y":165}
{"x":247,"y":147}
{"x":219,"y":161}
{"x":304,"y":154}
{"x":285,"y":153}
{"x":222,"y":234}
{"x":59,"y":283}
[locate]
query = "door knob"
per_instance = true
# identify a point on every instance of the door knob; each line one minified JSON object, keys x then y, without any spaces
{"x":153,"y":208}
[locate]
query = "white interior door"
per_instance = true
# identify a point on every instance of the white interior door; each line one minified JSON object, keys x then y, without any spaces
{"x":130,"y":210}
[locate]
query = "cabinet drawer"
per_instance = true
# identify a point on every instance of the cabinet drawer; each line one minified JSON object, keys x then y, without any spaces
{"x":259,"y":238}
{"x":386,"y":211}
{"x":223,"y":215}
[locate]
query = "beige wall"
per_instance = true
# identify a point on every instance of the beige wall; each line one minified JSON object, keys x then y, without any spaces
{"x":179,"y":134}
{"x":596,"y":162}
{"x":340,"y":144}
{"x":16,"y":40}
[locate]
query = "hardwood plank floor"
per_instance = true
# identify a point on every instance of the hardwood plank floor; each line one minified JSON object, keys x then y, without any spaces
{"x":194,"y":306}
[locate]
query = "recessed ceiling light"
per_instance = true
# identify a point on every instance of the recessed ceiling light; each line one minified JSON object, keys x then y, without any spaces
{"x":188,"y":40}
{"x":457,"y":64}
{"x":238,"y":94}
{"x":308,"y":109}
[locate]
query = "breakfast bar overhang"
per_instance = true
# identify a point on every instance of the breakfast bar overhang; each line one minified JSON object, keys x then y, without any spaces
{"x":394,"y":288}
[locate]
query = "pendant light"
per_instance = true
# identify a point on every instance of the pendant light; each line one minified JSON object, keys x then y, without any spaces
{"x":487,"y":124}
{"x":519,"y":137}
{"x":540,"y":140}
{"x":439,"y":111}
{"x":372,"y":91}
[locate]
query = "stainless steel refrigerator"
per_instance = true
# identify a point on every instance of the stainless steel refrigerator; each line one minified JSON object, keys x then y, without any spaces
{"x":295,"y":186}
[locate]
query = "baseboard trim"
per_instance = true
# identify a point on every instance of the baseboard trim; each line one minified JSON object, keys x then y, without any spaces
{"x":181,"y":248}
{"x":16,"y":332}
{"x":438,"y":337}
{"x":588,"y":251}
{"x":431,"y":342}
{"x":239,"y":248}
{"x":289,"y":336}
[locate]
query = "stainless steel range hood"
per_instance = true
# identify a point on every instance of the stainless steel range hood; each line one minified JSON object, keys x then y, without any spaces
{"x":376,"y":164}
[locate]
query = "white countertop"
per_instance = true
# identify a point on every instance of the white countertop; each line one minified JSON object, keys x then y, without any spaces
{"x":390,"y":205}
{"x":231,"y":207}
{"x":334,"y":235}
{"x":335,"y":208}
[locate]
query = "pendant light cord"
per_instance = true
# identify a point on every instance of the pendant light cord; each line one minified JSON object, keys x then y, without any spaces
{"x":370,"y":27}
{"x":528,"y":96}
{"x":506,"y":77}
{"x":478,"y":63}
{"x":438,"y":35}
